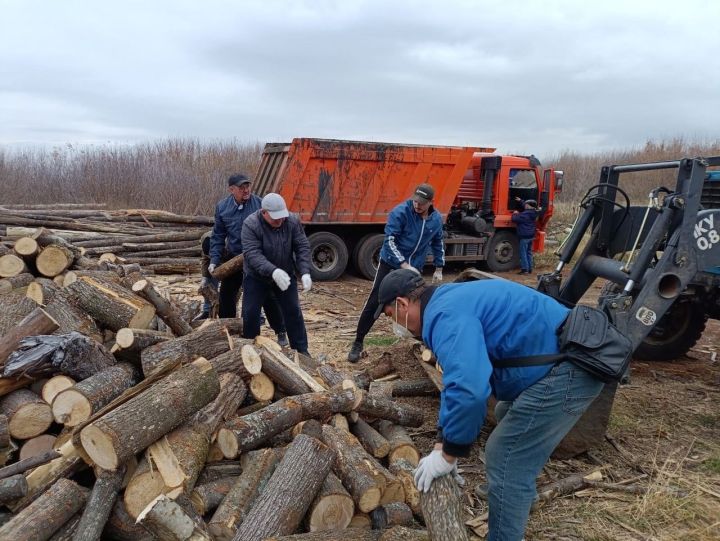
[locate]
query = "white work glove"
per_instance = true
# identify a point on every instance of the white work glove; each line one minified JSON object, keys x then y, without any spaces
{"x":306,"y":282}
{"x":281,"y":279}
{"x":437,"y":275}
{"x":205,"y":281}
{"x":212,"y":267}
{"x":430,"y":468}
{"x":407,"y":265}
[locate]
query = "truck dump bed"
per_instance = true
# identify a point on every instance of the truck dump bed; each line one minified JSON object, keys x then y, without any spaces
{"x":348,"y":182}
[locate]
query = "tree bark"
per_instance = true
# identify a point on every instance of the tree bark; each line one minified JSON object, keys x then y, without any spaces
{"x":355,"y":468}
{"x":242,"y":360}
{"x":11,"y":265}
{"x":383,"y":408}
{"x":442,"y":510}
{"x":233,"y":266}
{"x":332,"y":508}
{"x":219,"y":470}
{"x":209,"y":342}
{"x":14,"y":282}
{"x":208,"y":496}
{"x":54,"y":260}
{"x":4,"y":432}
{"x":179,"y":252}
{"x":12,"y":488}
{"x":45,"y":238}
{"x":28,"y":464}
{"x":78,"y":403}
{"x":67,"y":530}
{"x":401,"y":444}
{"x":169,"y":521}
{"x":282,"y":505}
{"x":350,"y":534}
{"x":138,"y":339}
{"x":28,"y":414}
{"x":121,"y":526}
{"x":252,"y":431}
{"x":72,"y":318}
{"x":112,"y":305}
{"x":99,"y":505}
{"x":143,"y":419}
{"x":36,"y":322}
{"x":414,"y":387}
{"x":404,"y":470}
{"x":373,"y":442}
{"x":180,"y":266}
{"x":382,"y":368}
{"x":269,"y":354}
{"x":43,"y":517}
{"x":143,"y":239}
{"x":391,"y":514}
{"x":164,"y":308}
{"x":288,"y":379}
{"x":73,"y":276}
{"x":258,"y":467}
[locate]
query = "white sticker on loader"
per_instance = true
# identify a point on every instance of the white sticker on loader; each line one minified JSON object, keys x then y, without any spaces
{"x":646,"y":316}
{"x":705,"y":233}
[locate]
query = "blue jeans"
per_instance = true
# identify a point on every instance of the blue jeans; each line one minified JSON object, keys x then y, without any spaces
{"x":256,"y":294}
{"x":526,"y":257}
{"x":529,"y":428}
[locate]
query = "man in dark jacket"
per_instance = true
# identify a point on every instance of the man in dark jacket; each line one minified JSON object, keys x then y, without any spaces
{"x":525,"y":224}
{"x":413,"y":229}
{"x":226,"y":243}
{"x":470,"y":327}
{"x":275,"y":245}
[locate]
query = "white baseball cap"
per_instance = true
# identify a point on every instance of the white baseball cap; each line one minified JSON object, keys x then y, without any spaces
{"x":275,"y":205}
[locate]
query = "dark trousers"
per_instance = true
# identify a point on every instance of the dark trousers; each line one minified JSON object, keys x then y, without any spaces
{"x":228,"y":297}
{"x":256,"y":291}
{"x":367,"y":317}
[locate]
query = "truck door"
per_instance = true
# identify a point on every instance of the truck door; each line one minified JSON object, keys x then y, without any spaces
{"x":523,"y":185}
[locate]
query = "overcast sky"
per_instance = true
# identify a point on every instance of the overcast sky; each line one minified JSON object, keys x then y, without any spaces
{"x":523,"y":76}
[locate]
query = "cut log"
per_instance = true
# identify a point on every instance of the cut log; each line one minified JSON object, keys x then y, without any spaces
{"x":139,"y":339}
{"x":355,"y":468}
{"x":67,"y":530}
{"x":36,"y":322}
{"x":282,"y":505}
{"x":39,"y":445}
{"x":137,"y":239}
{"x":112,"y":305}
{"x":351,"y":534}
{"x":143,"y":487}
{"x":11,"y":265}
{"x":208,"y":496}
{"x":28,"y":464}
{"x":4,"y":432}
{"x":72,"y":276}
{"x":442,"y":510}
{"x":12,"y":488}
{"x":391,"y":514}
{"x":121,"y":526}
{"x":27,"y":248}
{"x":261,"y":387}
{"x":14,"y":282}
{"x":47,"y":514}
{"x":99,"y":505}
{"x":401,"y":444}
{"x":168,"y":521}
{"x":232,"y":393}
{"x":135,"y":424}
{"x":55,"y":385}
{"x":268,"y":353}
{"x":332,"y":508}
{"x":42,"y":291}
{"x":164,"y":308}
{"x":209,"y":342}
{"x":404,"y":471}
{"x":383,"y":408}
{"x":382,"y":368}
{"x":252,"y":431}
{"x":45,"y":238}
{"x":414,"y":387}
{"x":28,"y":414}
{"x":71,"y":318}
{"x":54,"y":260}
{"x":78,"y":403}
{"x":288,"y":379}
{"x":233,"y":266}
{"x":243,"y":359}
{"x":258,"y":467}
{"x":371,"y":439}
{"x":340,"y":421}
{"x":361,"y":521}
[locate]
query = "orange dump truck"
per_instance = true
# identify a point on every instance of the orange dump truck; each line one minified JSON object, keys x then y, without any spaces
{"x":344,"y":190}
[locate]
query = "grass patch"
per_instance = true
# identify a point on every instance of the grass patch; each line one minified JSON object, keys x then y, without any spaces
{"x":712,"y":464}
{"x":709,"y":421}
{"x":381,"y":341}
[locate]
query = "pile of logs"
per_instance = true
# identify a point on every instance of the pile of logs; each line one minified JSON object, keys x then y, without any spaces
{"x":161,"y":242}
{"x":128,"y":423}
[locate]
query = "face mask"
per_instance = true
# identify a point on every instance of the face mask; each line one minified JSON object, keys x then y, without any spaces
{"x":399,"y":330}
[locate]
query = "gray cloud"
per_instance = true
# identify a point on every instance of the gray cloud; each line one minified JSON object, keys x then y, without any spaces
{"x":522,"y":76}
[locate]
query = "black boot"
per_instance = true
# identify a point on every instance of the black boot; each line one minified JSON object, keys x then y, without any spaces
{"x":355,"y":352}
{"x":282,"y":339}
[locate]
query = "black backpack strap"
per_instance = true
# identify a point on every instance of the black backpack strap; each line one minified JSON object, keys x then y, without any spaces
{"x":534,"y":360}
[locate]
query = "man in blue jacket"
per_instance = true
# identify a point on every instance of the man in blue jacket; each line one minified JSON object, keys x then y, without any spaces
{"x":226,"y":243}
{"x":525,"y":222}
{"x":413,"y":228}
{"x":275,"y":246}
{"x":469,"y":326}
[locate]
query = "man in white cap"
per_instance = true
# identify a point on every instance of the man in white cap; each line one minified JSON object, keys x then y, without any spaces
{"x":275,"y":247}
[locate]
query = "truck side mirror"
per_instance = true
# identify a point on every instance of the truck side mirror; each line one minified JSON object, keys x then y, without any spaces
{"x":559,"y":175}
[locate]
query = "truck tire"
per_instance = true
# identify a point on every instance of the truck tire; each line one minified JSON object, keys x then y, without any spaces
{"x":676,"y":332}
{"x":328,"y":256}
{"x":367,"y":254}
{"x":503,"y":252}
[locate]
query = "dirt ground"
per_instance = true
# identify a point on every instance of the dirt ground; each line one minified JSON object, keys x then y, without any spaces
{"x":663,"y":437}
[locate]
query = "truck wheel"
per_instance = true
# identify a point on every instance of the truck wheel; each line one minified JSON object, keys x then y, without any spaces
{"x":328,"y":256}
{"x":367,"y":255}
{"x":503,"y":253}
{"x":676,"y":332}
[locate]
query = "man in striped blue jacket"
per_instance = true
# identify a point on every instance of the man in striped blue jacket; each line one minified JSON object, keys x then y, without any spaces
{"x":413,"y":229}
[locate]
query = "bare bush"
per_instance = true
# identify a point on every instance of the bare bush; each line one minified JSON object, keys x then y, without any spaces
{"x":179,"y":175}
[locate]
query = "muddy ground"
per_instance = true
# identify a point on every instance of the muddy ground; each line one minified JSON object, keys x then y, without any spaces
{"x":663,"y":439}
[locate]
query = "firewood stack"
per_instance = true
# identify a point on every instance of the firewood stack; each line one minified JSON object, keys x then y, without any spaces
{"x":161,"y":242}
{"x":127,"y":423}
